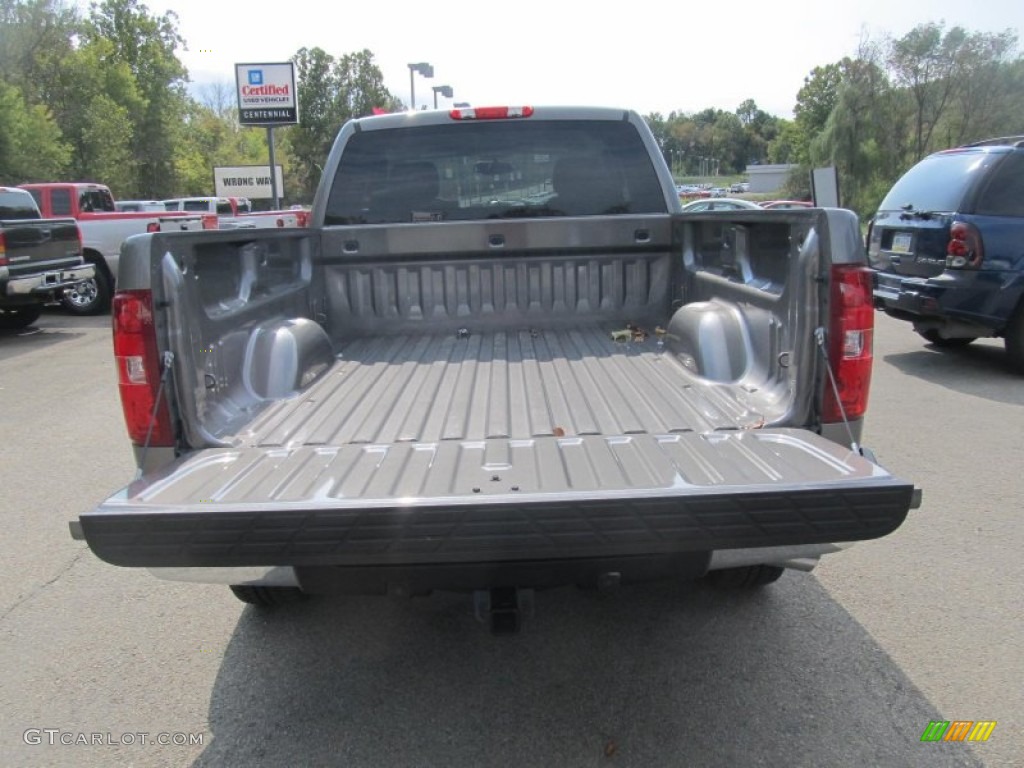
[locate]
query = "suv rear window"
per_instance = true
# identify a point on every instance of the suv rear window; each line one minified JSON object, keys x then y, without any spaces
{"x":939,"y":182}
{"x":489,"y":170}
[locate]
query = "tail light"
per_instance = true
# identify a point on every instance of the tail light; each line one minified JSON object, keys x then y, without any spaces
{"x":3,"y":250}
{"x":138,"y":369}
{"x":210,"y":221}
{"x":301,"y":218}
{"x":153,"y":226}
{"x":490,"y":113}
{"x":964,"y":248}
{"x":851,"y":328}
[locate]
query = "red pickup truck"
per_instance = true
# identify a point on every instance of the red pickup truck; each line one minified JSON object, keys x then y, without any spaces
{"x":103,"y":230}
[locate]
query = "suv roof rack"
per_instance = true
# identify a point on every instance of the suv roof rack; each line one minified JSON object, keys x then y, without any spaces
{"x":1014,"y":141}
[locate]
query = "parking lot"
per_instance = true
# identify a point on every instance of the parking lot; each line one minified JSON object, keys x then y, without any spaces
{"x":845,"y":666}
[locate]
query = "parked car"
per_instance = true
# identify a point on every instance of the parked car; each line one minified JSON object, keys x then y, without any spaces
{"x":720,"y":204}
{"x":718,"y":192}
{"x":946,"y":249}
{"x":38,"y":258}
{"x":776,"y":205}
{"x":103,"y":229}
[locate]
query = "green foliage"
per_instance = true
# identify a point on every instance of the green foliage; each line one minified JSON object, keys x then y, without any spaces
{"x":330,"y":92}
{"x":713,"y":141}
{"x":31,"y":147}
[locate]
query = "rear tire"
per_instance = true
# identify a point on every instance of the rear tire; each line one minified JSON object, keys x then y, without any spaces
{"x":16,"y":318}
{"x":89,"y":297}
{"x":1014,"y":340}
{"x":932,"y":337}
{"x":268,"y":597}
{"x":745,"y":577}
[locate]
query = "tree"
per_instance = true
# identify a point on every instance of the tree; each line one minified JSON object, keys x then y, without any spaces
{"x":330,"y":92}
{"x":31,"y":147}
{"x":148,"y":46}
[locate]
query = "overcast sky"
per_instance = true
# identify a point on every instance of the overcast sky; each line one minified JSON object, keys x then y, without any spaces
{"x":649,"y":56}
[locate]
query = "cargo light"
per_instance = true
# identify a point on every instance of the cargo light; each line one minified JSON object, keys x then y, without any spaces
{"x":851,"y":329}
{"x":964,"y":249}
{"x":489,"y":113}
{"x":138,"y":369}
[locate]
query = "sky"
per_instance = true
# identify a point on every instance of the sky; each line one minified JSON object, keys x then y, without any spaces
{"x":649,"y":56}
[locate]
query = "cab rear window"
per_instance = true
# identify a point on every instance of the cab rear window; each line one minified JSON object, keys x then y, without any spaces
{"x":17,"y":205}
{"x":493,"y":170}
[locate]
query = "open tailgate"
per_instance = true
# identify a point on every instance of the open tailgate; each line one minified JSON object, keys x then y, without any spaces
{"x":498,"y":499}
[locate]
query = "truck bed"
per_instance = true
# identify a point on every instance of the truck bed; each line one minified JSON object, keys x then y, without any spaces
{"x":364,"y":398}
{"x":418,"y":449}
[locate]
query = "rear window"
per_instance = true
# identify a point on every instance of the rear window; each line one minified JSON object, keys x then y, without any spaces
{"x":493,"y":170}
{"x":17,"y":205}
{"x":60,"y":202}
{"x":196,"y":205}
{"x":96,"y":200}
{"x":939,"y":182}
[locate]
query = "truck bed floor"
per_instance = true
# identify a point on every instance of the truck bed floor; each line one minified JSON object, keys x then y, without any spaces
{"x":514,"y":385}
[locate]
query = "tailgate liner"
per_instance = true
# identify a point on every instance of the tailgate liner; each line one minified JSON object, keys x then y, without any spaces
{"x":498,"y":500}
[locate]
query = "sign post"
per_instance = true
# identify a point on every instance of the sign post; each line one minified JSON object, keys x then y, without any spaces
{"x":267,"y":96}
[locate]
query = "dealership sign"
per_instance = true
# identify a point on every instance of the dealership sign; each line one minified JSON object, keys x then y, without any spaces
{"x":266,"y":94}
{"x":252,"y":181}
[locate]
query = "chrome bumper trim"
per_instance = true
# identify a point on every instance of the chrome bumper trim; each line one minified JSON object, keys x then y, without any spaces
{"x":50,"y":281}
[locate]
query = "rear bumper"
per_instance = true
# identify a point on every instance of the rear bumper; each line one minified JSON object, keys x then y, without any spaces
{"x":390,"y":579}
{"x":47,"y":282}
{"x":981,"y":301}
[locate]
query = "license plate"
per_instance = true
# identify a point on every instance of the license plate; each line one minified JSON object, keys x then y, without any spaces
{"x":901,"y":242}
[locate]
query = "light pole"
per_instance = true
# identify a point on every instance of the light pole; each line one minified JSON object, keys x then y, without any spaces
{"x":444,"y":90}
{"x":427,"y":70}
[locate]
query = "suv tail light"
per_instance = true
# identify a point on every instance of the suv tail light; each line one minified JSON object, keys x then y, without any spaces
{"x":964,"y":249}
{"x":851,"y":328}
{"x":138,"y":369}
{"x":3,"y":250}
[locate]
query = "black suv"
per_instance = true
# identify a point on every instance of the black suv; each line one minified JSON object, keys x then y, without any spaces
{"x":947,"y":246}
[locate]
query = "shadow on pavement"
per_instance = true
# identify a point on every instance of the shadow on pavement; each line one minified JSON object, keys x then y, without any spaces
{"x":14,"y":343}
{"x":656,"y":675}
{"x":977,"y":369}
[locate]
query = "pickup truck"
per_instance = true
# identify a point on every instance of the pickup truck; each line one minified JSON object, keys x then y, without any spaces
{"x":38,"y":258}
{"x":103,"y":229}
{"x":237,"y":213}
{"x":500,"y":359}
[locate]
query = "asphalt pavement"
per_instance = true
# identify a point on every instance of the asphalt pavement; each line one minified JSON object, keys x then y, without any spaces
{"x":842,"y":667}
